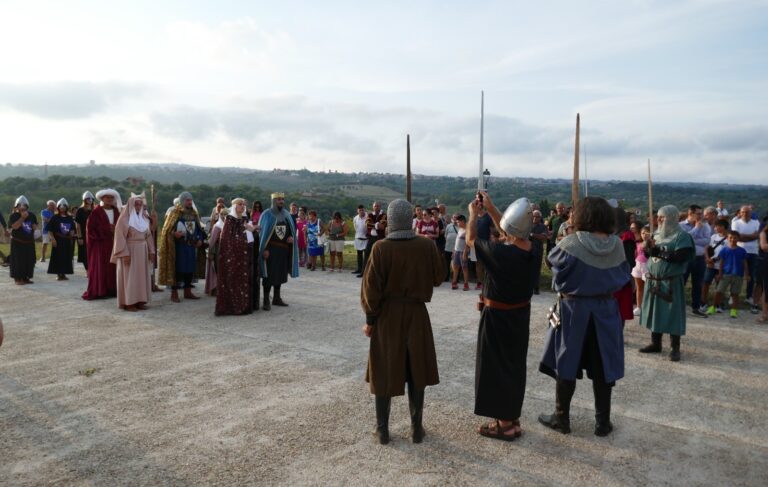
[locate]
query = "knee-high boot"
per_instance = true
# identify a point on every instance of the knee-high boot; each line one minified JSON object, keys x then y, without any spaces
{"x":674,"y":355}
{"x":561,"y":419}
{"x":603,"y":424}
{"x":267,"y":305}
{"x":382,"y":418}
{"x":277,"y":300}
{"x":655,"y":346}
{"x":416,"y":405}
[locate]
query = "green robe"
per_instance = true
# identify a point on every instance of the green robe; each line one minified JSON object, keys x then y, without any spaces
{"x":659,"y":315}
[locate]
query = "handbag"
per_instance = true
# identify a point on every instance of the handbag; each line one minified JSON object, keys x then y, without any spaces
{"x":322,"y":239}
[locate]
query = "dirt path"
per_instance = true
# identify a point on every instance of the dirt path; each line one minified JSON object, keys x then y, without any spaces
{"x":180,"y":397}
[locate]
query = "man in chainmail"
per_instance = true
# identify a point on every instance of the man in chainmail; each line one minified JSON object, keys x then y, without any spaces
{"x":181,"y":239}
{"x":663,"y":310}
{"x":278,"y":248}
{"x":397,"y":282}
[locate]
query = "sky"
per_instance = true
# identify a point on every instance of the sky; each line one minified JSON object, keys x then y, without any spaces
{"x":337,"y":85}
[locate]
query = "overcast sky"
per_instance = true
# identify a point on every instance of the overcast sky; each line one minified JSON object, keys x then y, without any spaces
{"x":337,"y":85}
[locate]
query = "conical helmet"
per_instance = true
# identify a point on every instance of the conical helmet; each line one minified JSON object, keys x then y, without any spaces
{"x":518,"y":219}
{"x":62,"y":202}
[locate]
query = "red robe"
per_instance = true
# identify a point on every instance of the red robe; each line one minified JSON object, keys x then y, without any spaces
{"x":102,"y":274}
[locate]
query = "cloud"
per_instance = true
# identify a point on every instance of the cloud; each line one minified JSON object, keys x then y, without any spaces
{"x":265,"y":124}
{"x":66,"y":99}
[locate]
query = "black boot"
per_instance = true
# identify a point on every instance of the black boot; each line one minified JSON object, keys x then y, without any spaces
{"x":416,"y":405}
{"x":277,"y":300}
{"x":655,"y":346}
{"x":267,"y":306}
{"x":603,"y":424}
{"x":561,"y":419}
{"x":382,"y":419}
{"x":674,"y":355}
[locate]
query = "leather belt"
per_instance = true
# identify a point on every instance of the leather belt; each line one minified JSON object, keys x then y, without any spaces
{"x":278,"y":244}
{"x":581,"y":296}
{"x":490,"y":303}
{"x":654,"y":278}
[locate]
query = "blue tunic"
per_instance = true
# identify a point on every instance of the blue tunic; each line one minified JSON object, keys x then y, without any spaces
{"x":186,"y":252}
{"x":267,"y":224}
{"x":563,"y":347}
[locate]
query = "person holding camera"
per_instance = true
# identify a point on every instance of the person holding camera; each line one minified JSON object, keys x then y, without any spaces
{"x":505,"y":306}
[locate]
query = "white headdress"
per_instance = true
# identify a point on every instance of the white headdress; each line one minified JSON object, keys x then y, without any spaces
{"x":114,"y":194}
{"x":137,"y":220}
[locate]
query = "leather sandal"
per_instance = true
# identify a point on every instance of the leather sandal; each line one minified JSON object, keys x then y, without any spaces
{"x":498,"y":432}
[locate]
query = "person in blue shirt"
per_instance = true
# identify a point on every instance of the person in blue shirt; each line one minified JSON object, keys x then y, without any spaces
{"x":734,"y":268}
{"x":700,"y":231}
{"x":46,"y":215}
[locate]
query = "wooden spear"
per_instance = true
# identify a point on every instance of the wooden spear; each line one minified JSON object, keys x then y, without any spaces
{"x":408,"y":176}
{"x":650,"y":197}
{"x":575,"y":186}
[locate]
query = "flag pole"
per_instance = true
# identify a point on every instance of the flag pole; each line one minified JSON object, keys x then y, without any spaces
{"x":408,"y":176}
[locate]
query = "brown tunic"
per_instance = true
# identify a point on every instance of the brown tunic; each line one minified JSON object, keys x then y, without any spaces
{"x":399,"y":278}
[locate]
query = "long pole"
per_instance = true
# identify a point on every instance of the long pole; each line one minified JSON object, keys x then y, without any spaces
{"x":586,"y":175}
{"x":480,"y":185}
{"x":408,"y":177}
{"x":575,"y":185}
{"x":650,"y":197}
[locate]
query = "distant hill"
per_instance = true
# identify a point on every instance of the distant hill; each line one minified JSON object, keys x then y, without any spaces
{"x":330,"y":191}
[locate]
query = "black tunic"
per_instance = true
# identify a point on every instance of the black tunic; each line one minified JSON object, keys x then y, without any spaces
{"x":23,"y":255}
{"x":61,"y":255}
{"x":502,"y":341}
{"x":81,"y":218}
{"x":280,"y":255}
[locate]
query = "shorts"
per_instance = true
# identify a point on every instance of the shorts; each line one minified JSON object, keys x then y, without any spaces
{"x":456,"y":259}
{"x":730,"y":284}
{"x":46,"y":237}
{"x":316,"y":251}
{"x":709,"y":275}
{"x":640,"y":270}
{"x":336,"y":245}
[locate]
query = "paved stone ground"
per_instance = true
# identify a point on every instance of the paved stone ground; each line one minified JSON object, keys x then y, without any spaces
{"x":181,"y":397}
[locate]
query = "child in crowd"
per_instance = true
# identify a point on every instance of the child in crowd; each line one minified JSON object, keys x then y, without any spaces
{"x":733,"y":270}
{"x":717,"y":242}
{"x":641,"y":268}
{"x":460,"y":259}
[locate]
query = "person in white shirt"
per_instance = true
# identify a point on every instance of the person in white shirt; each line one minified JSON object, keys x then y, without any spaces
{"x":361,"y":236}
{"x":721,"y":211}
{"x":749,"y":231}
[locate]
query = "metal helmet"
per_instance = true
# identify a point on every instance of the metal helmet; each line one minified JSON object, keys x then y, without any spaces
{"x":518,"y":219}
{"x":62,"y":202}
{"x":88,"y":195}
{"x":21,"y":200}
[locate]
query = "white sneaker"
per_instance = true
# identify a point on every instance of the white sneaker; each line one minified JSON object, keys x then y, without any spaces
{"x":703,"y":308}
{"x":636,"y":311}
{"x":749,"y":301}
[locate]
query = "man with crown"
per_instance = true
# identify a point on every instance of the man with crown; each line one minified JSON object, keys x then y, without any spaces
{"x":278,"y":248}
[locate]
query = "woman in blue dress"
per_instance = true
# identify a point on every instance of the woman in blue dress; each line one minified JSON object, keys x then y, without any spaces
{"x":315,"y":247}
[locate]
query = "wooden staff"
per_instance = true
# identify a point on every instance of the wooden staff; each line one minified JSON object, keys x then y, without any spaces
{"x":408,"y":176}
{"x":650,"y":197}
{"x":575,"y":185}
{"x":153,"y":196}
